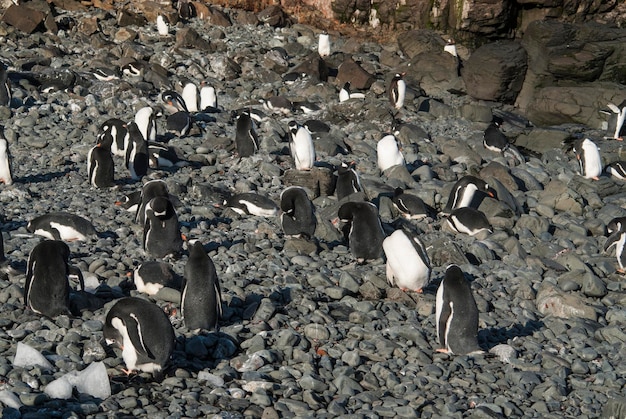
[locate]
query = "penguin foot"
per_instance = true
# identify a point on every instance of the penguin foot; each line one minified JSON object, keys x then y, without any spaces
{"x":442,"y":351}
{"x":595,"y":178}
{"x":621,"y":271}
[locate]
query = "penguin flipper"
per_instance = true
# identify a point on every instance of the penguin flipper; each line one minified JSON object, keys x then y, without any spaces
{"x":612,"y":240}
{"x":613,"y":108}
{"x":73,"y":270}
{"x":134,"y":333}
{"x":56,"y":234}
{"x":444,"y":318}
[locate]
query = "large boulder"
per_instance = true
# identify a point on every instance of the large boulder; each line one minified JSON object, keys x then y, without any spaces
{"x":496,"y":71}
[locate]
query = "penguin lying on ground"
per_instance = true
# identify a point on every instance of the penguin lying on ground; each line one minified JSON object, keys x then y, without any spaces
{"x":463,"y":193}
{"x":62,"y":226}
{"x":149,"y":277}
{"x":249,"y":203}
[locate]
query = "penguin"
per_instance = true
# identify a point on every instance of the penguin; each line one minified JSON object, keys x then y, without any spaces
{"x":364,"y":230}
{"x":298,"y":213}
{"x":6,"y":176}
{"x":150,"y":190}
{"x":388,"y":153}
{"x":279,"y":104}
{"x":588,"y":156}
{"x":47,"y":288}
{"x":494,"y":140}
{"x":100,"y":167}
{"x":246,"y":139}
{"x":149,"y":277}
{"x":450,"y":47}
{"x":162,"y":26}
{"x":130,"y":202}
{"x":617,"y":238}
{"x":144,"y":333}
{"x":144,"y":118}
{"x":410,"y":206}
{"x":315,"y":126}
{"x":468,"y":221}
{"x":408,"y":266}
{"x":162,"y":155}
{"x":161,"y":232}
{"x":617,"y":169}
{"x":620,"y":118}
{"x":397,"y":91}
{"x":348,"y":181}
{"x":134,"y":68}
{"x":137,"y":160}
{"x":201,"y":301}
{"x":346,"y":94}
{"x":114,"y":136}
{"x":186,"y":10}
{"x":456,"y":314}
{"x":173,"y":101}
{"x":105,"y":73}
{"x":249,"y":203}
{"x":208,"y":99}
{"x":5,"y":87}
{"x":301,"y":146}
{"x":617,"y":223}
{"x":323,"y":44}
{"x":179,"y":123}
{"x":306,"y":107}
{"x":190,"y":96}
{"x":463,"y":193}
{"x":62,"y":226}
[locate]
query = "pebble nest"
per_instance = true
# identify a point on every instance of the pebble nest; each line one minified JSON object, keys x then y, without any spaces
{"x":307,"y":332}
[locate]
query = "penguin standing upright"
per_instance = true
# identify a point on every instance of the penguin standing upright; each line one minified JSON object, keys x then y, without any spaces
{"x":246,"y":139}
{"x":47,"y":288}
{"x":145,"y":120}
{"x":100,"y":167}
{"x":456,"y":314}
{"x":463,"y":193}
{"x":301,"y":146}
{"x":162,"y":26}
{"x":323,"y":44}
{"x":617,"y":238}
{"x":150,"y":190}
{"x":388,"y":153}
{"x":397,"y":91}
{"x":62,"y":226}
{"x":208,"y":99}
{"x":143,"y":332}
{"x":298,"y":217}
{"x":190,"y":96}
{"x":114,"y":136}
{"x":364,"y":230}
{"x":347,"y":180}
{"x":201,"y":301}
{"x":588,"y":156}
{"x":5,"y":87}
{"x":137,"y":158}
{"x":620,"y":117}
{"x":161,"y":232}
{"x":408,"y":265}
{"x":6,"y":176}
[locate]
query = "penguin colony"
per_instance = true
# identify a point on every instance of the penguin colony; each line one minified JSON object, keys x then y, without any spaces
{"x":143,"y":331}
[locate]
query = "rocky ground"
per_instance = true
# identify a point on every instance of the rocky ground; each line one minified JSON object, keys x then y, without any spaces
{"x":306,"y":331}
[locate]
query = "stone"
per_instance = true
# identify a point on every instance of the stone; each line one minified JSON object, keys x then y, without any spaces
{"x":24,"y":18}
{"x":188,"y":37}
{"x":551,"y":301}
{"x":273,"y":15}
{"x":351,"y":71}
{"x":319,"y":180}
{"x":126,"y":18}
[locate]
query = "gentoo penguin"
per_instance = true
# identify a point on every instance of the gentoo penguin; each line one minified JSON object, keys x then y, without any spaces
{"x":208,"y":99}
{"x":47,"y":288}
{"x":5,"y":87}
{"x":364,"y":231}
{"x":617,"y":238}
{"x":617,"y":169}
{"x":100,"y":167}
{"x":464,"y":191}
{"x":316,"y":126}
{"x":456,"y":314}
{"x":496,"y":141}
{"x":114,"y":136}
{"x":246,"y":139}
{"x":252,"y":204}
{"x":347,"y":180}
{"x":298,"y":213}
{"x":301,"y":146}
{"x":620,"y":118}
{"x":186,"y":10}
{"x":6,"y":176}
{"x":162,"y":155}
{"x":450,"y":47}
{"x":162,"y":26}
{"x":150,"y":190}
{"x":149,"y":277}
{"x":279,"y":104}
{"x":179,"y":123}
{"x":143,"y":332}
{"x":410,"y":206}
{"x":346,"y":94}
{"x":190,"y":96}
{"x":408,"y":265}
{"x":588,"y":156}
{"x":468,"y":220}
{"x":161,"y":232}
{"x":173,"y":101}
{"x":105,"y":73}
{"x":397,"y":91}
{"x":62,"y":226}
{"x":137,"y":159}
{"x":305,"y":106}
{"x":145,"y":120}
{"x":201,"y":302}
{"x":130,"y":202}
{"x":323,"y":44}
{"x":134,"y":69}
{"x":388,"y":153}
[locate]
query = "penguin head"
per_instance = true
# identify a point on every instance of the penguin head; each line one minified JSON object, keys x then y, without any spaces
{"x":111,"y":332}
{"x":160,"y":206}
{"x":293,"y":127}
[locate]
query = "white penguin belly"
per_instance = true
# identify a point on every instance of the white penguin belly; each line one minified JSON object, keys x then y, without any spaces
{"x":67,"y":233}
{"x":388,"y":153}
{"x":593,"y":161}
{"x":409,"y":271}
{"x":303,"y":150}
{"x":149,"y":288}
